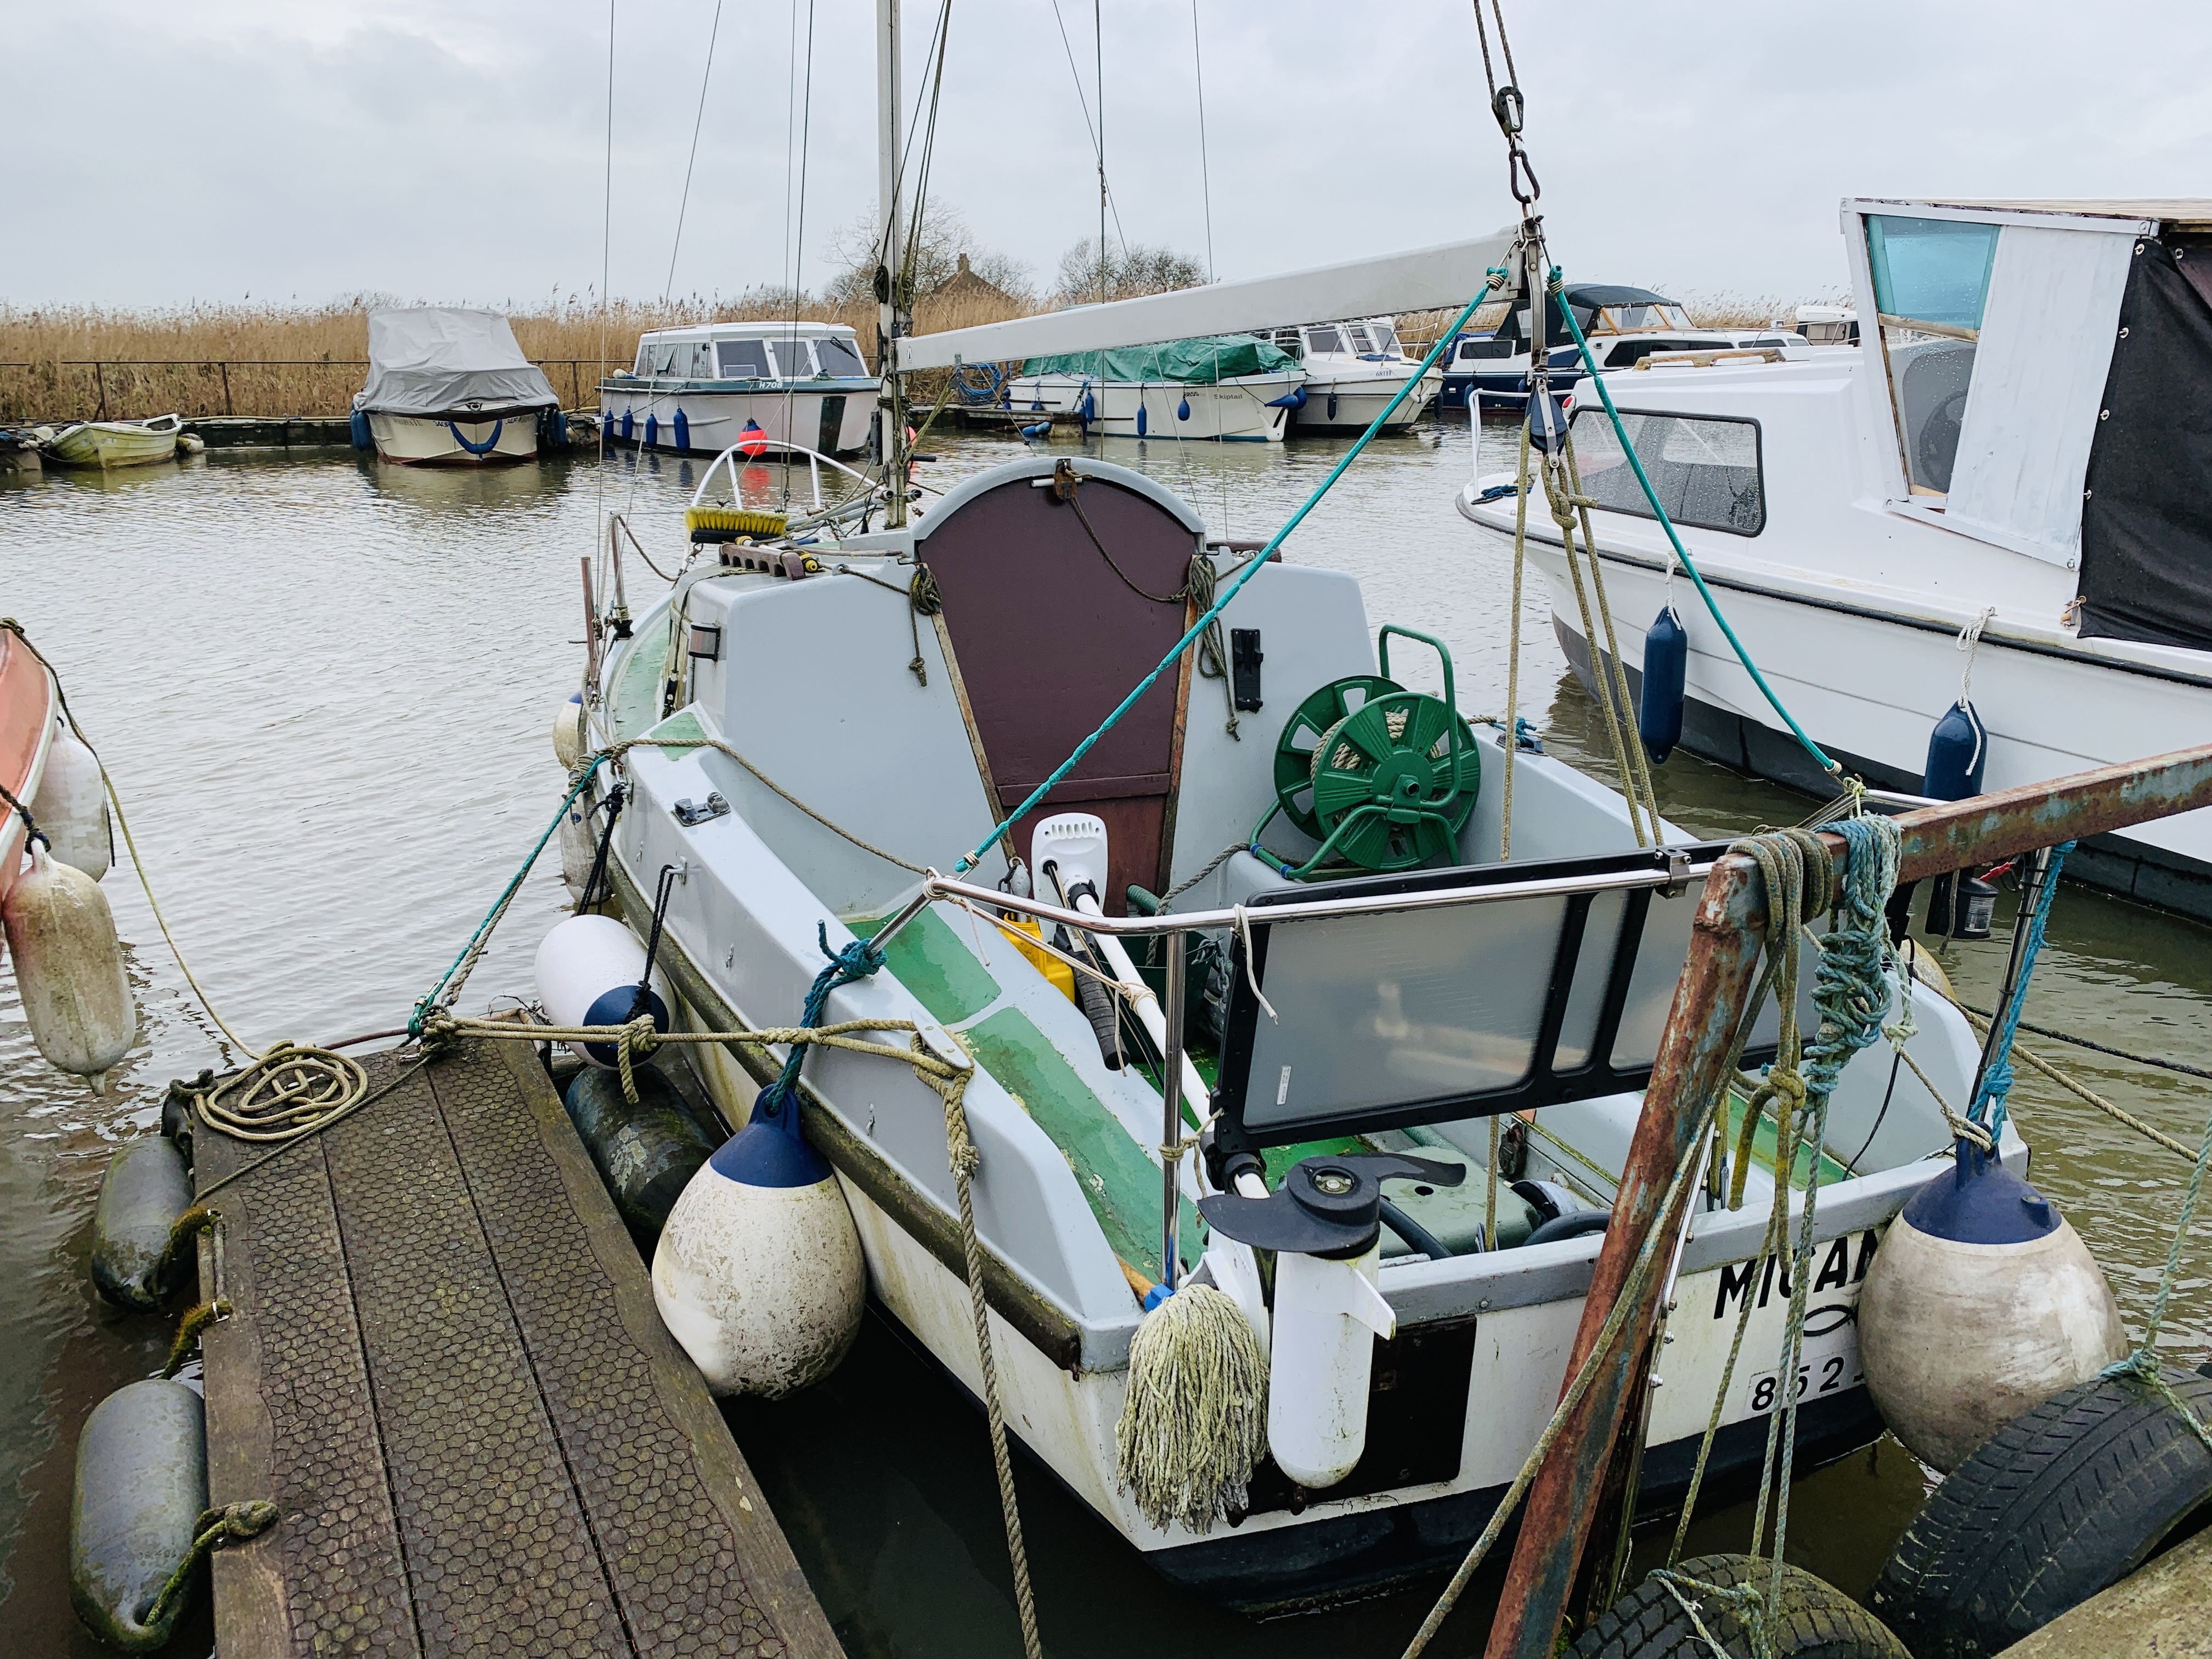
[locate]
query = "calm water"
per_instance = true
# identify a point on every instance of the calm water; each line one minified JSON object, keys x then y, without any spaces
{"x":325,"y":688}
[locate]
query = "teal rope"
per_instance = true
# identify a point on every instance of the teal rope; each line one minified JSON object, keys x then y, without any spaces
{"x":491,"y":917}
{"x":1988,"y":1107}
{"x":1251,"y":569}
{"x":1666,"y":524}
{"x":855,"y":962}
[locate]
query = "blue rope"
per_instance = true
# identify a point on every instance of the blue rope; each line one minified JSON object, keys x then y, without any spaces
{"x":1251,"y":569}
{"x":1589,"y":367}
{"x":1849,"y":986}
{"x":856,"y":961}
{"x":1988,"y":1107}
{"x":487,"y":446}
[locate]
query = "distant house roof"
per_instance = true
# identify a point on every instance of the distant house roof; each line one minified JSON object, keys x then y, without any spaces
{"x":965,"y":284}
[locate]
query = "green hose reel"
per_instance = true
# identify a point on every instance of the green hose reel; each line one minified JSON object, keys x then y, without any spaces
{"x":1383,"y":777}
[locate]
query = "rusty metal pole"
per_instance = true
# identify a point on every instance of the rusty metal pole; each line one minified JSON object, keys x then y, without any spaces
{"x":1693,"y":1061}
{"x":1709,"y":998}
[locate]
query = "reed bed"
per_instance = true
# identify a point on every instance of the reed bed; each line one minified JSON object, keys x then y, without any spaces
{"x":78,"y":363}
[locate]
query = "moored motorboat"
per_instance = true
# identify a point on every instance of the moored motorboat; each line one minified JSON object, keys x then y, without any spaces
{"x":800,"y":387}
{"x":1353,"y":370}
{"x":1993,"y":509}
{"x":448,"y":386}
{"x":118,"y":443}
{"x":1234,"y":388}
{"x":1624,"y":325}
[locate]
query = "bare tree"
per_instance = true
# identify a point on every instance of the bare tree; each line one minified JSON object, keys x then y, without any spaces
{"x":1131,"y":269}
{"x":945,"y":236}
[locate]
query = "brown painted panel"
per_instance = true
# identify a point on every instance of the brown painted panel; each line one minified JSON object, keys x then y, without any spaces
{"x":1050,"y":639}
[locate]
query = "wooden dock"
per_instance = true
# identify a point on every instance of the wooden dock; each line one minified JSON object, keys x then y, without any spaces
{"x":445,"y":1369}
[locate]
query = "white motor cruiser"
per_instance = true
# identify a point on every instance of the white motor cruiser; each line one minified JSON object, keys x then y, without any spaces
{"x":1353,"y":370}
{"x":448,"y":386}
{"x":1624,"y":325}
{"x":1232,"y":388}
{"x":788,"y":386}
{"x":1994,"y":500}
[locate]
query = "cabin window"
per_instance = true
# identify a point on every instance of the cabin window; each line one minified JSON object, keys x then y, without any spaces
{"x":1386,"y":337}
{"x":1475,"y":350}
{"x":1629,"y":353}
{"x":791,"y":360}
{"x":663,"y":359}
{"x":837,"y":357}
{"x":1360,"y":339}
{"x":744,"y":360}
{"x":1324,"y":340}
{"x":702,"y":362}
{"x":1704,"y":469}
{"x":1931,"y":279}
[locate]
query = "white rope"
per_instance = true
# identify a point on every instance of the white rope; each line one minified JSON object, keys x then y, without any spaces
{"x":1970,"y":641}
{"x":1251,"y":978}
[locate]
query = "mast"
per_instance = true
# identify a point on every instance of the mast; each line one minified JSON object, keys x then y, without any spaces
{"x":892,"y":300}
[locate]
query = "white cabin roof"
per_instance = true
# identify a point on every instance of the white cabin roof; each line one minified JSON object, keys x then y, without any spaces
{"x":2192,"y":213}
{"x":768,"y":329}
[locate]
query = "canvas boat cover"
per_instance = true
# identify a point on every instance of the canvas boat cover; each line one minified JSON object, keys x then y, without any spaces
{"x":1202,"y":361}
{"x":429,"y":359}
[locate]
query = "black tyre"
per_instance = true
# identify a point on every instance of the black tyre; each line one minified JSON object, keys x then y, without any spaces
{"x":2062,"y":1502}
{"x":1819,"y":1621}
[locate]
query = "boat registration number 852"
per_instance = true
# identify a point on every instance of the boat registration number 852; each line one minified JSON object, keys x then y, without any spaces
{"x":1818,"y":1374}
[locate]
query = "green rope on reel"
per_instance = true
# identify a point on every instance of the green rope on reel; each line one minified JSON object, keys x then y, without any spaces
{"x":1382,"y":777}
{"x":1301,"y":739}
{"x":1391,"y":788}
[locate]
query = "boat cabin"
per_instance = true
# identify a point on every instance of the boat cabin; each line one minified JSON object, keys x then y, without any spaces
{"x":1375,"y":338}
{"x":1825,"y":325}
{"x":762,"y":351}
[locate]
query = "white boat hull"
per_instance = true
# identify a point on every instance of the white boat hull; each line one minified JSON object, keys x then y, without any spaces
{"x":1242,"y":410}
{"x":833,"y":419}
{"x":1350,"y":405}
{"x":1869,"y":688}
{"x":434,"y":441}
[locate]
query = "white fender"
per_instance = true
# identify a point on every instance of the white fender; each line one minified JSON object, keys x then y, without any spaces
{"x":71,"y":805}
{"x":1327,"y":1316}
{"x":69,"y":966}
{"x":569,"y":730}
{"x":587,"y":971}
{"x":758,"y":1273}
{"x":1982,"y":1302}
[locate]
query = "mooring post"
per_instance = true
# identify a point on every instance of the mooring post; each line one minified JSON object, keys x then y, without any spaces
{"x":225,"y":367}
{"x":1693,"y":1061}
{"x":100,"y":381}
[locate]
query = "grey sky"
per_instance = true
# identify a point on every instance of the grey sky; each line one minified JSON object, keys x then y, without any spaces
{"x":169,"y":150}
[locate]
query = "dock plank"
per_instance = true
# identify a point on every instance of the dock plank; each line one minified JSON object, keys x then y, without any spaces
{"x":447,"y":1369}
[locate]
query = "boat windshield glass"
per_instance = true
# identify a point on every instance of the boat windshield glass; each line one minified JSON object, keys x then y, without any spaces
{"x":1931,"y":278}
{"x":1386,"y":337}
{"x":1360,"y":339}
{"x":838,"y":357}
{"x":661,"y":359}
{"x":791,"y":360}
{"x":1623,"y":319}
{"x":1704,"y":471}
{"x":1321,"y":340}
{"x":744,"y":360}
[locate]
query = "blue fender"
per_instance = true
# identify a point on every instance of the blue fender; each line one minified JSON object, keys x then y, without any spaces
{"x":363,"y":437}
{"x":683,"y":430}
{"x":1666,"y":669}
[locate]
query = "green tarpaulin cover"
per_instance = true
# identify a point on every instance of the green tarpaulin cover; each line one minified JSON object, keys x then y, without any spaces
{"x":1196,"y":362}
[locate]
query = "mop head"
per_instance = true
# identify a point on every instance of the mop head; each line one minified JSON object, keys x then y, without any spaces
{"x":1195,"y":1422}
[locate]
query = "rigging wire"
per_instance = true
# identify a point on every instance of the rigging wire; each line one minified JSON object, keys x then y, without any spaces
{"x":1098,"y":79}
{"x":795,"y":242}
{"x":606,"y":263}
{"x":683,"y":202}
{"x":1204,"y":168}
{"x":1083,"y":102}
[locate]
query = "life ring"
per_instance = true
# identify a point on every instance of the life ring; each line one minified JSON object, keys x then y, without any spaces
{"x":1654,"y":1620}
{"x":2064,"y":1501}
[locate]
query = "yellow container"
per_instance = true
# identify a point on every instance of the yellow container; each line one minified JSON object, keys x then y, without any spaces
{"x":1026,"y":934}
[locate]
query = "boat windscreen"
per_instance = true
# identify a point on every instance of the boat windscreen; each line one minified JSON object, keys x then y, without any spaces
{"x":837,"y":357}
{"x":1322,"y":341}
